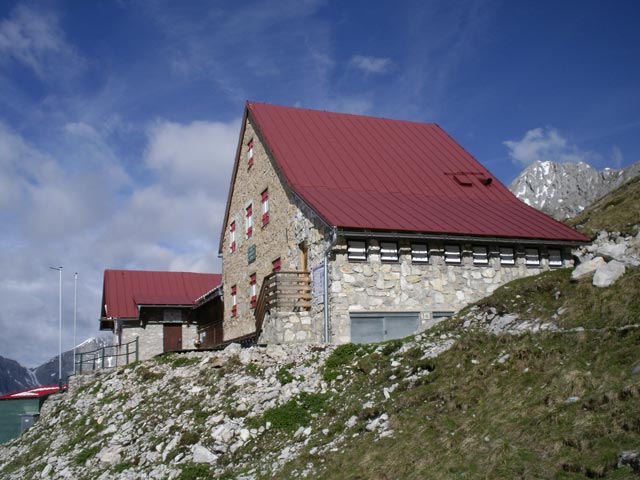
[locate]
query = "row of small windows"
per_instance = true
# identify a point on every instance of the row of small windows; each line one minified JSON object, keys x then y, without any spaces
{"x":248,"y":220}
{"x":357,"y":251}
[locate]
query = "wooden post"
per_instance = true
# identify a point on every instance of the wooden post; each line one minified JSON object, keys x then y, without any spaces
{"x":137,"y":349}
{"x":102,"y":357}
{"x":127,"y":349}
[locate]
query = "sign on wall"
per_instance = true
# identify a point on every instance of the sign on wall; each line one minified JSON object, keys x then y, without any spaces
{"x":317,"y":283}
{"x":251,"y":254}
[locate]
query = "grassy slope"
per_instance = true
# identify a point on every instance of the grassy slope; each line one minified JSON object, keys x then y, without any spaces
{"x":474,"y":417}
{"x":562,"y":405}
{"x":618,"y":211}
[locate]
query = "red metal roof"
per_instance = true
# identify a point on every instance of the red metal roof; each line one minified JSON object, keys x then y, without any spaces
{"x":32,"y":392}
{"x":380,"y":174}
{"x":124,"y":290}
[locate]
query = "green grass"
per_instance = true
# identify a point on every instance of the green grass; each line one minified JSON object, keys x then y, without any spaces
{"x":484,"y":419}
{"x":86,"y":454}
{"x":582,"y":304}
{"x":176,"y":360}
{"x":618,"y":211}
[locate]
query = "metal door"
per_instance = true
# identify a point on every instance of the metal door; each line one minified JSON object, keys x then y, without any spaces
{"x":172,"y":337}
{"x":377,"y":327}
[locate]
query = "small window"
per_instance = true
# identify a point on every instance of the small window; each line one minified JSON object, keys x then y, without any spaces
{"x":249,"y":222}
{"x":555,"y":257}
{"x":532,"y":257}
{"x":506,"y":256}
{"x":357,"y":250}
{"x":265,"y":207}
{"x":441,"y":315}
{"x":252,"y":283}
{"x":389,"y":251}
{"x":250,"y":153}
{"x":480,"y":255}
{"x":419,"y":253}
{"x":234,"y":301}
{"x":452,"y":254}
{"x":232,"y":237}
{"x":276,"y":265}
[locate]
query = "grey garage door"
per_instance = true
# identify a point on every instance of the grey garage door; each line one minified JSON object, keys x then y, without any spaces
{"x":376,"y":327}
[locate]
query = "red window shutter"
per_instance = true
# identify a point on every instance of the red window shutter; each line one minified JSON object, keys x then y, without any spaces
{"x":277,"y":265}
{"x":265,"y":195}
{"x":249,"y":209}
{"x":265,"y":218}
{"x":252,"y":281}
{"x":232,"y":229}
{"x":234,"y":306}
{"x":250,"y":153}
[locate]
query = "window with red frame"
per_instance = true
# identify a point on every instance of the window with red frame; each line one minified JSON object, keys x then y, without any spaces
{"x":254,"y":297}
{"x":232,"y":237}
{"x":248,"y":222}
{"x":234,"y":301}
{"x":276,"y":264}
{"x":250,"y":153}
{"x":265,"y":207}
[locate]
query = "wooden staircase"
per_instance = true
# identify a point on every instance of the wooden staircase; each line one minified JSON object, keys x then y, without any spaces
{"x":285,"y":291}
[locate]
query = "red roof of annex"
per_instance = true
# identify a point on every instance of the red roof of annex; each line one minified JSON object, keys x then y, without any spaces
{"x":35,"y":392}
{"x":125,"y":290}
{"x":372,"y":173}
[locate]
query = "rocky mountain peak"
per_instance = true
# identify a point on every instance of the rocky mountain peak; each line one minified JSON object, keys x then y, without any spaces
{"x":563,"y":190}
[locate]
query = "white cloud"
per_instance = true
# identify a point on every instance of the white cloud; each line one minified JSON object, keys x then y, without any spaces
{"x":368,"y":65}
{"x":34,"y":39}
{"x":69,"y":209}
{"x":545,"y":144}
{"x":616,"y":157}
{"x":198,"y":155}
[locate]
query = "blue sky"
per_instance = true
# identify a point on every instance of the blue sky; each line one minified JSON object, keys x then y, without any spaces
{"x":119,"y":120}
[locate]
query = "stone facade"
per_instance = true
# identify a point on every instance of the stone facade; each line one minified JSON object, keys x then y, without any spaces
{"x":424,"y":288}
{"x":151,"y":339}
{"x":291,"y":223}
{"x":369,"y":286}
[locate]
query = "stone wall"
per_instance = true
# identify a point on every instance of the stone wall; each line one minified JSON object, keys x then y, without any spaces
{"x":150,"y":339}
{"x":291,"y":223}
{"x":370,"y":286}
{"x":403,"y":286}
{"x":292,"y":327}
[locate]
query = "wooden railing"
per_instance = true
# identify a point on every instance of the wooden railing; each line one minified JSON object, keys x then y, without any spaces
{"x":283,"y":291}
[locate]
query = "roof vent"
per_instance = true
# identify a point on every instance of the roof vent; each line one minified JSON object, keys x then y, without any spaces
{"x":462,"y":179}
{"x":486,"y":181}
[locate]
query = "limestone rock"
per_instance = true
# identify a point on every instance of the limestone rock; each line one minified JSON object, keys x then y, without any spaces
{"x":611,"y":251}
{"x":587,"y":268}
{"x":630,"y":458}
{"x":203,"y":455}
{"x":607,"y":274}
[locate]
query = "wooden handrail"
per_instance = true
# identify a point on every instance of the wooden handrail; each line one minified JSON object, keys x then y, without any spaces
{"x":284,"y":291}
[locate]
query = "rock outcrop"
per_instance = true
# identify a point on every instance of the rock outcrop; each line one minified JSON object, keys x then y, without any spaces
{"x":563,"y":190}
{"x":607,"y":258}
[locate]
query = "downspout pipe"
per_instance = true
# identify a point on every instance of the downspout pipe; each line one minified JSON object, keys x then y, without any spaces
{"x":334,"y":239}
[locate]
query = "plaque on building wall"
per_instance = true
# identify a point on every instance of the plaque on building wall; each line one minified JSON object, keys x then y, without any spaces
{"x":251,"y":254}
{"x":172,"y":315}
{"x":317,"y":283}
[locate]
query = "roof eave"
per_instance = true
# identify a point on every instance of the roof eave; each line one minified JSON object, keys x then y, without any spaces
{"x":371,"y":233}
{"x":233,"y":176}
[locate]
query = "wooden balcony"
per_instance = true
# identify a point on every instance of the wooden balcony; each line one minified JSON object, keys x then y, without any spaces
{"x":284,"y":292}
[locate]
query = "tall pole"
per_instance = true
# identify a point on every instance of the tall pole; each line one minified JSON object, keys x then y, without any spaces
{"x":59,"y":327}
{"x":75,"y":316}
